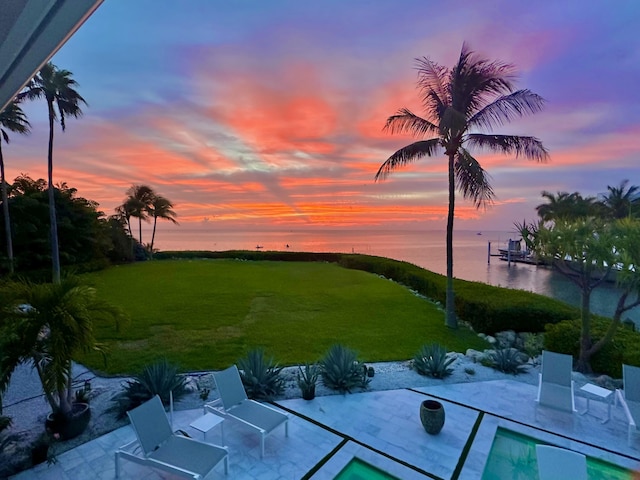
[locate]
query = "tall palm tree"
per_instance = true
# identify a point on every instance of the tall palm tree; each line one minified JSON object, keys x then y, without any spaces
{"x":473,"y":94}
{"x":161,"y":207}
{"x":13,"y":119}
{"x":619,"y":200}
{"x":59,"y":90}
{"x":138,"y":205}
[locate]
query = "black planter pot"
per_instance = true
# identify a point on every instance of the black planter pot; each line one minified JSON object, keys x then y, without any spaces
{"x":309,"y":393}
{"x":432,"y":416}
{"x":39,"y":453}
{"x":71,"y":426}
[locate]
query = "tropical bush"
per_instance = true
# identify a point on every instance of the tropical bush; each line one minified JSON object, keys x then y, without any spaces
{"x":624,"y":348}
{"x":50,"y":325}
{"x":533,"y":344}
{"x":340,"y":370}
{"x":260,"y":376}
{"x":160,"y":378}
{"x":432,"y":360}
{"x":507,"y":360}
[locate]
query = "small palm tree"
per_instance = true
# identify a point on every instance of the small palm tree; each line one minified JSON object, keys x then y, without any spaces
{"x":620,"y":200}
{"x":49,"y":325}
{"x":13,"y":119}
{"x":137,"y":205}
{"x":161,"y":207}
{"x":473,"y":94}
{"x":59,"y":90}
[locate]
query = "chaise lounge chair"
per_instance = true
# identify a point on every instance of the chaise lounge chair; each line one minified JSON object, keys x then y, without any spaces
{"x":630,"y":398}
{"x":555,"y":387}
{"x":158,"y":447}
{"x":560,"y":464}
{"x":234,"y":404}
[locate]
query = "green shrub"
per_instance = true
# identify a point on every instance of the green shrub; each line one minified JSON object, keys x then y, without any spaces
{"x":261,"y":376}
{"x":340,"y":370}
{"x":564,"y":337}
{"x":487,"y":308}
{"x":432,"y":361}
{"x":160,"y":378}
{"x":533,"y":344}
{"x":507,"y":360}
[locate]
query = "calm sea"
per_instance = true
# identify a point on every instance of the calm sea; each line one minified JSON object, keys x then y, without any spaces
{"x":423,"y":248}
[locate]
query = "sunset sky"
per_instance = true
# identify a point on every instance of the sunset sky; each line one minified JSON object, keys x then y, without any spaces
{"x":269,"y":114}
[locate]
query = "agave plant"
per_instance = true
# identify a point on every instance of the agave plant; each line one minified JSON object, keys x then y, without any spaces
{"x":432,"y":360}
{"x":260,"y":376}
{"x":507,"y":360}
{"x":341,"y":370}
{"x":307,"y":380}
{"x":161,"y":378}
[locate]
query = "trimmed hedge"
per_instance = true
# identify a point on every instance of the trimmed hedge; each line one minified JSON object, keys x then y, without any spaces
{"x":564,"y":337}
{"x":486,"y":308}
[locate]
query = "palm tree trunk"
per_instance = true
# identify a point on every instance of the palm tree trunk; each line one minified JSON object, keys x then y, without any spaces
{"x":140,"y":228}
{"x":153,"y":234}
{"x":5,"y":208}
{"x":55,"y":254}
{"x":450,"y":312}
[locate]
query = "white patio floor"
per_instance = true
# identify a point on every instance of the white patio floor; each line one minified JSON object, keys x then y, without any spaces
{"x":382,"y":428}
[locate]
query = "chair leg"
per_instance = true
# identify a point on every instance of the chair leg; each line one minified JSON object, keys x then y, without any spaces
{"x":117,"y":465}
{"x":286,"y":428}
{"x":262,"y":445}
{"x":226,"y":465}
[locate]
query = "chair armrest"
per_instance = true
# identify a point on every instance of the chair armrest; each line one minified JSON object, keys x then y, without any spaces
{"x":215,"y":407}
{"x":625,"y":407}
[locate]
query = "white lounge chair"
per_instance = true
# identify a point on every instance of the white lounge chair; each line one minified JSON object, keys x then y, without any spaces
{"x":234,"y":404}
{"x":630,"y":398}
{"x":555,"y":386}
{"x":560,"y":464}
{"x":158,"y":447}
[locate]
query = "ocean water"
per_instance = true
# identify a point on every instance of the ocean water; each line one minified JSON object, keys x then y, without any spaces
{"x":423,"y":248}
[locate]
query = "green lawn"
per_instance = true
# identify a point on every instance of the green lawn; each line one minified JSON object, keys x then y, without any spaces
{"x":205,"y":314}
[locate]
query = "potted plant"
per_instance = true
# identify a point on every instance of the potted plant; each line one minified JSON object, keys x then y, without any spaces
{"x":307,"y":380}
{"x":49,"y":325}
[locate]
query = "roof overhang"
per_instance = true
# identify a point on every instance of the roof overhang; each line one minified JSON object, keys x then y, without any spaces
{"x":31,"y":32}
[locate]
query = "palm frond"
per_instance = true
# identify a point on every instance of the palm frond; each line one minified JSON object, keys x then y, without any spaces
{"x":507,"y":108}
{"x":405,"y":121}
{"x":408,"y":154}
{"x":432,"y":83}
{"x":529,"y":147}
{"x":474,"y":80}
{"x":12,"y":118}
{"x":472,"y":180}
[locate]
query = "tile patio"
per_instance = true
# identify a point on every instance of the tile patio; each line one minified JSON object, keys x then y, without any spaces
{"x":382,"y":428}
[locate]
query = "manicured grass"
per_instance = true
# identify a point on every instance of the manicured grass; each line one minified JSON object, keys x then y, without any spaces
{"x":205,"y":314}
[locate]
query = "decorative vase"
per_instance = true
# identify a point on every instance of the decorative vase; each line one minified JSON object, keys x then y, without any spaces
{"x":432,"y":416}
{"x":72,"y":426}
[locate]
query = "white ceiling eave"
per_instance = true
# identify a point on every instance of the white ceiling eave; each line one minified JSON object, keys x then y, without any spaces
{"x":32,"y":31}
